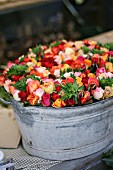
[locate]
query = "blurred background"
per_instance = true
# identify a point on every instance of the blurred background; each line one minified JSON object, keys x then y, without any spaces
{"x":24,"y":23}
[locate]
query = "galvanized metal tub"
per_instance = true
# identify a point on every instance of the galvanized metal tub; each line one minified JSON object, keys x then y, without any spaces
{"x":65,"y":133}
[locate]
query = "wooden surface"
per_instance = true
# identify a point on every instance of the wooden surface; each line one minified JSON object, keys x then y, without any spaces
{"x":19,"y":3}
{"x":104,"y":37}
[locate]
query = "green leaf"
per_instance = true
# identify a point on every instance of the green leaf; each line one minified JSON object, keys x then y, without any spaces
{"x":71,"y":90}
{"x":85,"y":49}
{"x":17,"y":70}
{"x":20,"y":85}
{"x":36,"y":50}
{"x":96,"y":51}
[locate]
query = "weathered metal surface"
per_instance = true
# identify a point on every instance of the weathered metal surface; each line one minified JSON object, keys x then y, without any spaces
{"x":65,"y":133}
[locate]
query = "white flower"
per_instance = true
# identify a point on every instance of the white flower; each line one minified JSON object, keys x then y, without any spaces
{"x":16,"y":96}
{"x":98,"y":93}
{"x":39,"y":92}
{"x":28,"y":80}
{"x":40,"y":69}
{"x":69,"y":51}
{"x":58,"y":59}
{"x":57,"y":73}
{"x":66,"y":75}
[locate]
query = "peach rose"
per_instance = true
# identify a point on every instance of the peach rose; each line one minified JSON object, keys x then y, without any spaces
{"x":32,"y":86}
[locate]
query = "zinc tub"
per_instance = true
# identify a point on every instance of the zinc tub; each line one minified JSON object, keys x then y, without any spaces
{"x":65,"y":133}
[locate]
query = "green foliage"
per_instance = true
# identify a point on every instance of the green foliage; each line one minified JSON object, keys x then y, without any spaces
{"x":108,"y":158}
{"x":4,"y":95}
{"x":85,"y":49}
{"x":94,"y":51}
{"x":111,"y":59}
{"x":20,"y":85}
{"x":17,"y":70}
{"x":106,"y":82}
{"x":36,"y":49}
{"x":108,"y":46}
{"x":34,"y":77}
{"x":71,"y":90}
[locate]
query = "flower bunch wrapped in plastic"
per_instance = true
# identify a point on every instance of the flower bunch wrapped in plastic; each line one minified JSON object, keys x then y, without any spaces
{"x":64,"y":73}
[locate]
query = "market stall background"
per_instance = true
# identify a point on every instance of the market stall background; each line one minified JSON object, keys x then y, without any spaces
{"x":25,"y":23}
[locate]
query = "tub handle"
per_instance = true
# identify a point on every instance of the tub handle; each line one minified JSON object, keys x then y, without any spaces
{"x":4,"y":101}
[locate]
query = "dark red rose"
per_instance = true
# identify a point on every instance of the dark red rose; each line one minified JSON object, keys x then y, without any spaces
{"x":23,"y":95}
{"x":70,"y":102}
{"x":55,"y":96}
{"x":46,"y":99}
{"x":47,"y":62}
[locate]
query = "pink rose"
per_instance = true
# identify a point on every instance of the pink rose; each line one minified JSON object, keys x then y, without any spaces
{"x":100,"y":70}
{"x":46,"y":99}
{"x":77,"y":74}
{"x":10,"y":64}
{"x":98,"y":93}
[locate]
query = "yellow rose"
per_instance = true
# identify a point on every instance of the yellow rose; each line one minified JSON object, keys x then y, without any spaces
{"x":48,"y":87}
{"x":59,"y":103}
{"x":34,"y":61}
{"x":65,"y":67}
{"x":91,"y":75}
{"x":78,"y":80}
{"x":109,"y":66}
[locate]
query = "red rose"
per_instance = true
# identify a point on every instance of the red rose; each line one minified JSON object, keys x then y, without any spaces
{"x":61,"y":46}
{"x":15,"y":78}
{"x":48,"y":55}
{"x":46,"y":99}
{"x":55,"y":50}
{"x":86,"y":97}
{"x":55,"y":96}
{"x":93,"y":81}
{"x":26,"y":59}
{"x":70,"y":80}
{"x":58,"y":88}
{"x":2,"y":80}
{"x":102,"y":63}
{"x":23,"y":95}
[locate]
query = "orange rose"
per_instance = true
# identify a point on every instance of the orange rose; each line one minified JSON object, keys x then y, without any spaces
{"x":59,"y":103}
{"x":33,"y":99}
{"x":32,"y":86}
{"x":88,"y":62}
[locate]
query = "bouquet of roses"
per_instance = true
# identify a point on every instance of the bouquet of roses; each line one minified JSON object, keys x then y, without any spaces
{"x":63,"y":73}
